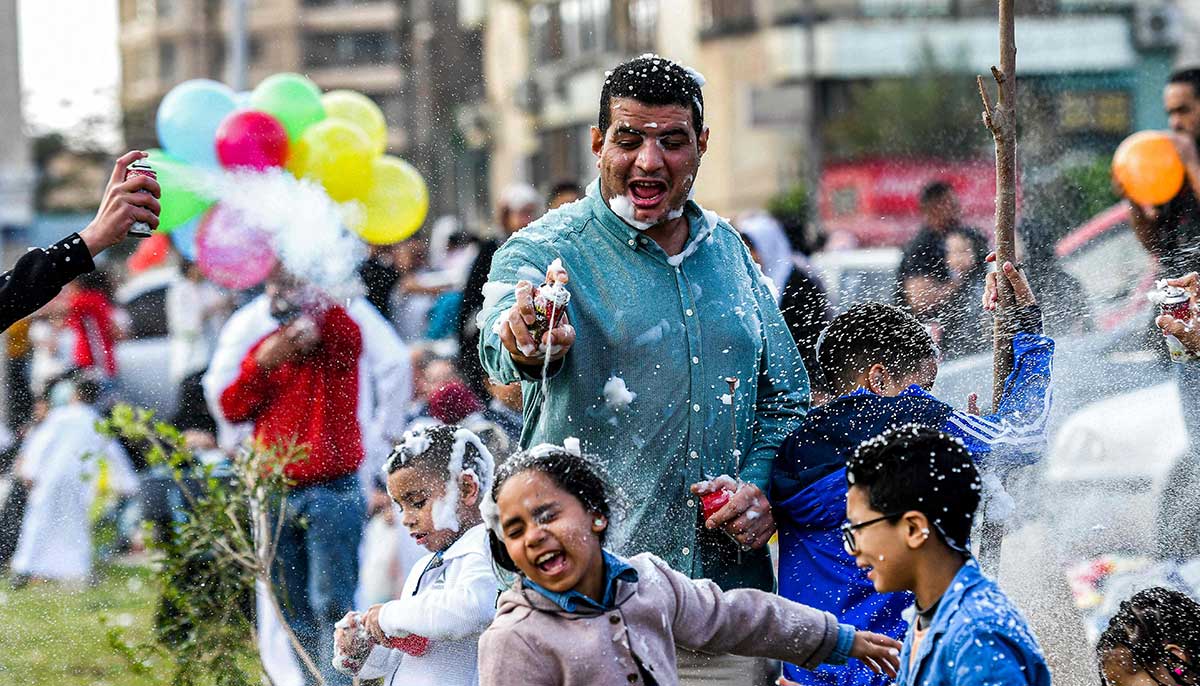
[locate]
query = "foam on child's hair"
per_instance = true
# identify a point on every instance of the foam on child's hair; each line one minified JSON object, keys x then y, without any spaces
{"x":445,"y":509}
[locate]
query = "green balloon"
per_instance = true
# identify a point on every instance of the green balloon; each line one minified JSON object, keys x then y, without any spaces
{"x":293,"y":99}
{"x":182,"y":195}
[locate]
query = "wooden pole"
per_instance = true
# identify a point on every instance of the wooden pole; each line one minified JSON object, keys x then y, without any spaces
{"x":1001,"y":120}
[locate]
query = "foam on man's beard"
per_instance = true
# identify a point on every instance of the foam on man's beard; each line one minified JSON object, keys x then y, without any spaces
{"x":623,"y":208}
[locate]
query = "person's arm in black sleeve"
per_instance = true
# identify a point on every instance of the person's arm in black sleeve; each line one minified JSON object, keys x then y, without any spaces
{"x":41,"y":273}
{"x":39,"y":276}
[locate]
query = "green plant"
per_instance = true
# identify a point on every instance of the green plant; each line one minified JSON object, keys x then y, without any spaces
{"x":210,"y":561}
{"x":936,"y":113}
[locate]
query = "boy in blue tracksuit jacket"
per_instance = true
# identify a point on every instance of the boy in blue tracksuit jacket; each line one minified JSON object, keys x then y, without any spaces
{"x":883,"y":361}
{"x":911,"y":499}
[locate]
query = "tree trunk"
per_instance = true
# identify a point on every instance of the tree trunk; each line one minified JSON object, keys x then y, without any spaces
{"x":1001,"y":120}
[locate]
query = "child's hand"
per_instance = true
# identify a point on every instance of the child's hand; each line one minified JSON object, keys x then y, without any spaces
{"x":747,"y":516}
{"x":370,"y":620}
{"x":878,"y":652}
{"x":343,"y":633}
{"x":1016,"y":280}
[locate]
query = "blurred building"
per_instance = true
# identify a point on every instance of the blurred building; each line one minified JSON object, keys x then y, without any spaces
{"x":16,"y":167}
{"x":779,"y":71}
{"x":418,"y":59}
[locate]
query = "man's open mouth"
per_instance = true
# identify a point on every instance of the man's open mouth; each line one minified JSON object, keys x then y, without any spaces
{"x":647,"y":194}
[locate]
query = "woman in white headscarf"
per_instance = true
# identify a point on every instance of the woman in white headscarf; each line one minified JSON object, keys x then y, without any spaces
{"x":798,"y":290}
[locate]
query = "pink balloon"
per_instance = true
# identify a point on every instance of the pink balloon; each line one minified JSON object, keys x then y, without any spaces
{"x":231,"y":253}
{"x":249,"y":138}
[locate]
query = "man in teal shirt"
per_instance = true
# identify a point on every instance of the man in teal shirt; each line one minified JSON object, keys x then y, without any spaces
{"x":666,"y":308}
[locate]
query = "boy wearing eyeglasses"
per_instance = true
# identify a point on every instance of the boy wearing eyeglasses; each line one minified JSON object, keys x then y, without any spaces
{"x":911,"y":500}
{"x":883,"y":362}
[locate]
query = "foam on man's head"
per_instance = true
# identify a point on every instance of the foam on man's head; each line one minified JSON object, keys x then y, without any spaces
{"x":653,"y":80}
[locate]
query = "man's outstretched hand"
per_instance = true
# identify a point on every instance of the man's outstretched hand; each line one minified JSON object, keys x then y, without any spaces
{"x":514,"y":326}
{"x":124,"y":203}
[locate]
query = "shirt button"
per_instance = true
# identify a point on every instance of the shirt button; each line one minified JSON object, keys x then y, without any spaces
{"x":691,"y":503}
{"x":687,"y":550}
{"x":695,"y":408}
{"x":688,"y":313}
{"x":695,"y":360}
{"x":694,"y":455}
{"x":632,"y":242}
{"x":613,"y":619}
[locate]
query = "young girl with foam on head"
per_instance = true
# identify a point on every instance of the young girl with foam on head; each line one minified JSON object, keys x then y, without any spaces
{"x":1154,"y":639}
{"x":437,"y":477}
{"x":578,"y":614}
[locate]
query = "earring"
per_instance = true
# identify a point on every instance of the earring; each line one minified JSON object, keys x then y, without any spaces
{"x":598,"y":522}
{"x":1178,"y":671}
{"x":925,"y":533}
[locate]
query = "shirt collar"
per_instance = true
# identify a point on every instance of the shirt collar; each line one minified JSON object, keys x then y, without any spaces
{"x":628,"y":235}
{"x":615,"y":569}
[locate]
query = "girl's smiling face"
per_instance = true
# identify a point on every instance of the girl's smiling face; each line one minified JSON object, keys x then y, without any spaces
{"x":549,"y":535}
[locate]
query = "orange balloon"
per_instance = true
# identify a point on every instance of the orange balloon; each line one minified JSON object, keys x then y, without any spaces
{"x":1148,"y":167}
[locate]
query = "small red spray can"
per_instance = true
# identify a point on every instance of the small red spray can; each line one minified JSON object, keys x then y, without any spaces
{"x":1176,"y":303}
{"x":712,"y":502}
{"x":140,"y":168}
{"x":549,"y":304}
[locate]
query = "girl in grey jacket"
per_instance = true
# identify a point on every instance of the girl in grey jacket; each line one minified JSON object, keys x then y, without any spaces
{"x":578,"y":615}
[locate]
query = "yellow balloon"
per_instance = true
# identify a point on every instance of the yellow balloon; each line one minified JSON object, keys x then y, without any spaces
{"x":396,"y":202}
{"x":357,"y":109}
{"x":337,"y":154}
{"x":297,"y":157}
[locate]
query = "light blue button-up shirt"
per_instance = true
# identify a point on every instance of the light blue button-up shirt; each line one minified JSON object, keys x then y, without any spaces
{"x":673,"y":330}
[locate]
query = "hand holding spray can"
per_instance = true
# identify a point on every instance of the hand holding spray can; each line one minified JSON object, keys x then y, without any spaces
{"x":140,"y":168}
{"x":1176,"y":303}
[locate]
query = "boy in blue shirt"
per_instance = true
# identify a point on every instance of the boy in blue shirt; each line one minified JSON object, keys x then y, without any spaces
{"x":882,"y":362}
{"x":912,"y":495}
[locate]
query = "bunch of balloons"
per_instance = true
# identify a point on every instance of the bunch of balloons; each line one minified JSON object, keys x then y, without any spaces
{"x":337,"y":139}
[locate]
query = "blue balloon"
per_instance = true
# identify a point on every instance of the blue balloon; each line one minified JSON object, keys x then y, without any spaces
{"x":184,"y":237}
{"x":188,"y":119}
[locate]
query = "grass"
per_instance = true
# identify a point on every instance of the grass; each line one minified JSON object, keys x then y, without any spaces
{"x":54,"y":635}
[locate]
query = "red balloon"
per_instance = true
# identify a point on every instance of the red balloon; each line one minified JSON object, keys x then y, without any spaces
{"x":249,"y":138}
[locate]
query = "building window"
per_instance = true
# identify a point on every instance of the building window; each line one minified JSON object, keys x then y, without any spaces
{"x":570,"y":29}
{"x":564,"y":153}
{"x":1094,"y":112}
{"x":167,"y":62}
{"x":726,"y":16}
{"x":643,"y":25}
{"x":347,"y":49}
{"x":545,"y":29}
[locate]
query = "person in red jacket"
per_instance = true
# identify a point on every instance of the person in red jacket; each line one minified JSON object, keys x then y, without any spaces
{"x":299,"y":386}
{"x":91,"y":317}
